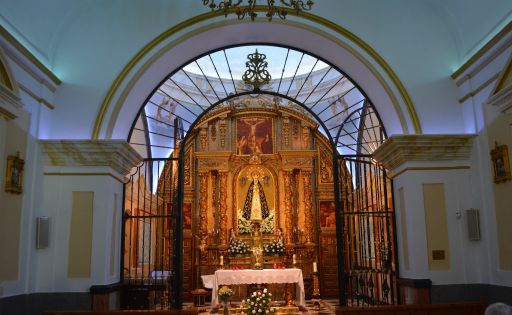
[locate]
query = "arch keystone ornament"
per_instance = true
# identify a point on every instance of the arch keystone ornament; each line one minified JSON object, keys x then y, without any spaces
{"x":256,"y":73}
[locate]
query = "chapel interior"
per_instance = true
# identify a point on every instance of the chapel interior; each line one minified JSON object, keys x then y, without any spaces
{"x":343,"y":156}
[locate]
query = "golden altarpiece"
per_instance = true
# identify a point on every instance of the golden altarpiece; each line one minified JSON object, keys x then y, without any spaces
{"x":249,"y":153}
{"x":236,"y":157}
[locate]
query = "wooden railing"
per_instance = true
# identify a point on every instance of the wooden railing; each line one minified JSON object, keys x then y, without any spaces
{"x":416,"y":309}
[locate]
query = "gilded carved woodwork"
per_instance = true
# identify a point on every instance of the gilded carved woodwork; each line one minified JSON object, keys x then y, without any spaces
{"x":325,"y":167}
{"x":213,"y":164}
{"x":204,"y":138}
{"x":286,"y":131}
{"x":288,"y":218}
{"x":222,"y":127}
{"x":223,"y":207}
{"x":308,"y":206}
{"x":305,"y":137}
{"x":187,"y":167}
{"x":203,"y":202}
{"x":213,"y":132}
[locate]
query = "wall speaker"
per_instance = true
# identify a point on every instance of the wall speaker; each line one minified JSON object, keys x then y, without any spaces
{"x":42,"y":232}
{"x":473,"y":224}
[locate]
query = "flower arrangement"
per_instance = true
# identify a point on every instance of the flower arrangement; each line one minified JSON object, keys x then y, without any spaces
{"x":225,"y":293}
{"x":274,"y":248}
{"x":238,"y":248}
{"x":244,"y":225}
{"x":267,"y":225}
{"x":258,"y":303}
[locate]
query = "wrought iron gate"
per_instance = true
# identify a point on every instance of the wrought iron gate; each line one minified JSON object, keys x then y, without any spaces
{"x":365,"y":224}
{"x":149,"y":228}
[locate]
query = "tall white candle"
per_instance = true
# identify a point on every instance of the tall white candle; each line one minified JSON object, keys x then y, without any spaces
{"x":314,"y":267}
{"x":221,"y":260}
{"x":294,"y":259}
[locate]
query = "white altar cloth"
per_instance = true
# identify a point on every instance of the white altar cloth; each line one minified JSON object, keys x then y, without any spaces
{"x":234,"y":277}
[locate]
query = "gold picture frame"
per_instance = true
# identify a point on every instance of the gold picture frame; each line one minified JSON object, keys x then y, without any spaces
{"x":14,"y":174}
{"x":500,"y":163}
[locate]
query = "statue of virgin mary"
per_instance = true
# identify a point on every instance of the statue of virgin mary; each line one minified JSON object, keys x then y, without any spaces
{"x":255,"y":206}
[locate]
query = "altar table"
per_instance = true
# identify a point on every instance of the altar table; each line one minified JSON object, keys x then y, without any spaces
{"x":234,"y":277}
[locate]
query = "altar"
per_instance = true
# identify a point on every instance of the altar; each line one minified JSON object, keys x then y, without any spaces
{"x":265,"y":276}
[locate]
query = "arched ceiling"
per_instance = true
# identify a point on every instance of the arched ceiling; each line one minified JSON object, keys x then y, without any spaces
{"x":47,"y":27}
{"x":86,"y":43}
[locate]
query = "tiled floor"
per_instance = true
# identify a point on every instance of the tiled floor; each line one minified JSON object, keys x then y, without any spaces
{"x":327,"y":307}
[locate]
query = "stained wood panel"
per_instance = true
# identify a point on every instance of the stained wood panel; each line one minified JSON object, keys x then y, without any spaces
{"x":328,"y":265}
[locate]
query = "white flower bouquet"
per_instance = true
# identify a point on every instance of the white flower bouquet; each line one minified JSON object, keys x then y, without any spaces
{"x":274,"y":248}
{"x":238,"y":248}
{"x":258,"y":303}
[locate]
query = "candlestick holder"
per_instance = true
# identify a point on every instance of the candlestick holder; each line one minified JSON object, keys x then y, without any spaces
{"x":315,"y":298}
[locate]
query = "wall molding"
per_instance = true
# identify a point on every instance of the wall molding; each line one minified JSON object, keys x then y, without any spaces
{"x":399,"y":149}
{"x":116,"y":154}
{"x":482,"y":51}
{"x":27,"y":54}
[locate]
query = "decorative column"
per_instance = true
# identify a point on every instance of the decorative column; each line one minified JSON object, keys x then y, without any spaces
{"x":223,"y":205}
{"x":308,"y":205}
{"x":203,"y":202}
{"x":287,"y":177}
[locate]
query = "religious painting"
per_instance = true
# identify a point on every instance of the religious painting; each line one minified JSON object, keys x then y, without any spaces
{"x":14,"y":174}
{"x":501,"y":164}
{"x":255,"y":200}
{"x":327,"y":214}
{"x":187,"y":215}
{"x":254,"y":136}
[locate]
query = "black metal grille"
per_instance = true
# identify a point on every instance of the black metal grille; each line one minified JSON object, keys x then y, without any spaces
{"x":367,"y":222}
{"x":148,"y":224}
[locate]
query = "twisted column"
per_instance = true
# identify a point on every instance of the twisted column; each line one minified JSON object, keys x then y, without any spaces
{"x":223,"y":205}
{"x":287,"y":177}
{"x":203,"y":203}
{"x":308,"y":205}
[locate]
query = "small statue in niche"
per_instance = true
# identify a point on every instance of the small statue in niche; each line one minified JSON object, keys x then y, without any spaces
{"x":202,"y":244}
{"x":279,"y":235}
{"x":232,"y":235}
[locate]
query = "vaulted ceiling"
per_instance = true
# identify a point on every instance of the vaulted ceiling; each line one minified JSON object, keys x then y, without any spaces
{"x":86,"y":43}
{"x":52,"y":29}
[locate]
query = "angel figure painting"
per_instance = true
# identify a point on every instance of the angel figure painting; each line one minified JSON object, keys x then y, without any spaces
{"x":254,"y":136}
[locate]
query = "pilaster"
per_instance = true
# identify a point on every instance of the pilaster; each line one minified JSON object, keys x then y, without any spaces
{"x":432,"y":188}
{"x":82,"y":191}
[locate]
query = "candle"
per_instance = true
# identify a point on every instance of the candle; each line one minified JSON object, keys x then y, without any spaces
{"x":221,"y":260}
{"x":294,"y":259}
{"x":314,"y":267}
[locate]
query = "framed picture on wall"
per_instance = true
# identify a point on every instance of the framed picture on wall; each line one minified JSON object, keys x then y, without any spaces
{"x":14,"y":174}
{"x":500,"y":163}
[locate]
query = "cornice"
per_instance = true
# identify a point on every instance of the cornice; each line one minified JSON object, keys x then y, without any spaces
{"x":9,"y":103}
{"x":486,"y":48}
{"x":27,"y":54}
{"x":502,"y":99}
{"x":399,"y":149}
{"x":117,"y":154}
